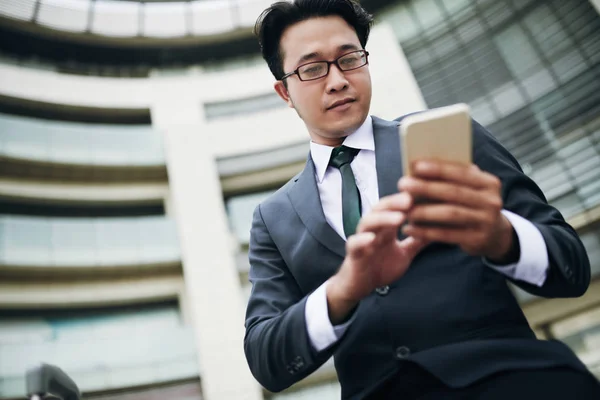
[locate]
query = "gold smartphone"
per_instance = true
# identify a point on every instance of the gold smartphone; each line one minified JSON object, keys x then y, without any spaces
{"x":438,"y":134}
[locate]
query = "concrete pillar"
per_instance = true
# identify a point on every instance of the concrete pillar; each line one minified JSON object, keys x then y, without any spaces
{"x":395,"y":89}
{"x":211,"y":279}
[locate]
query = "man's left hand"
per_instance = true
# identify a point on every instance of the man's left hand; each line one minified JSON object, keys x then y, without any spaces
{"x":463,"y":207}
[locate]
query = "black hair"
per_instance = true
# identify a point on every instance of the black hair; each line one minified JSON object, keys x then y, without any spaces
{"x":279,"y":16}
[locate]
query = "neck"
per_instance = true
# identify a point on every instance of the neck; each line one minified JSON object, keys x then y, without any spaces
{"x":332,"y":140}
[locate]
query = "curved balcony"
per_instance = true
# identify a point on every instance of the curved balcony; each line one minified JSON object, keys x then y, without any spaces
{"x":84,"y":243}
{"x":100,"y":352}
{"x":135,"y":19}
{"x":80,"y":144}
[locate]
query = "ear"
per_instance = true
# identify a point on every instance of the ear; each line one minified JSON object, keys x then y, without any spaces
{"x":283,"y":93}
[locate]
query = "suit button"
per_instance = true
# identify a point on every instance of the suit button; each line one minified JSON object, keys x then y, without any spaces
{"x":298,"y":362}
{"x":382,"y":291}
{"x":568,"y":271}
{"x":402,"y":352}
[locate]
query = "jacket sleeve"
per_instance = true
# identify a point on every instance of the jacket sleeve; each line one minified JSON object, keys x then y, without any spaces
{"x":276,"y":343}
{"x":569,"y":269}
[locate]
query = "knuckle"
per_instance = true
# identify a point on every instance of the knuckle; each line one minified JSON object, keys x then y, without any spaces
{"x":495,"y":203}
{"x":495,"y":182}
{"x":459,"y":193}
{"x":454,"y":213}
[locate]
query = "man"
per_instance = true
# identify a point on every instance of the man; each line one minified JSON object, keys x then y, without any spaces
{"x":424,"y":313}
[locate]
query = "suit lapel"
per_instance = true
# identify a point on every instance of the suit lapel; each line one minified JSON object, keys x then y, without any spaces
{"x":305,"y":199}
{"x":388,"y":159}
{"x":387,"y":155}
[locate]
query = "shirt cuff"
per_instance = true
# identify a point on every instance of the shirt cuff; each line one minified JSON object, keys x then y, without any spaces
{"x":533,"y":263}
{"x":321,"y":332}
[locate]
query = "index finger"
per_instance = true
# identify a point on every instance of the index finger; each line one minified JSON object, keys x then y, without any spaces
{"x":395,"y":202}
{"x":469,"y":175}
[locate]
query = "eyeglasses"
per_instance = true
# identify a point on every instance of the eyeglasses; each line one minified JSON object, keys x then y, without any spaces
{"x":318,"y":69}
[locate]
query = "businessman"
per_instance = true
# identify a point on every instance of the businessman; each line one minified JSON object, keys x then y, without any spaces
{"x":409,"y":297}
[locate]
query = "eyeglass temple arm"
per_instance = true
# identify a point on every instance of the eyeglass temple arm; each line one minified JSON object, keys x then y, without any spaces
{"x":47,"y":378}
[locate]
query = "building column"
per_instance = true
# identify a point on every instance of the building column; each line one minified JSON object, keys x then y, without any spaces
{"x":395,"y":89}
{"x":211,"y":279}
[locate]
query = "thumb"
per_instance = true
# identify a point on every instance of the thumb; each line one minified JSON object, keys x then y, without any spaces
{"x":412,"y":246}
{"x":359,"y":244}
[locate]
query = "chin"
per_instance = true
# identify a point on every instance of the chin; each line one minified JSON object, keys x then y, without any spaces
{"x":350,"y":124}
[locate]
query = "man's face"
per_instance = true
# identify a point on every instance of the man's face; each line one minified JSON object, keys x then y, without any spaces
{"x":325,"y":39}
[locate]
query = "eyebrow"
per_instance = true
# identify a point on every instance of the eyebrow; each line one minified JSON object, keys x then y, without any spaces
{"x":311,"y":56}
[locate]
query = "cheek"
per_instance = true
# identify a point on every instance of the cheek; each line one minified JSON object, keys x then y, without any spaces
{"x":308,"y":101}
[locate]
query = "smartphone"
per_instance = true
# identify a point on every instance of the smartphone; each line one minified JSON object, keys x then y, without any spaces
{"x":438,"y":134}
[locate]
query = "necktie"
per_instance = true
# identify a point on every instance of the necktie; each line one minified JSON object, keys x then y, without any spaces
{"x":341,"y":157}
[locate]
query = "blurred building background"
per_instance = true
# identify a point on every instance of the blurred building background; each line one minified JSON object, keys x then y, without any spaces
{"x":136,"y":138}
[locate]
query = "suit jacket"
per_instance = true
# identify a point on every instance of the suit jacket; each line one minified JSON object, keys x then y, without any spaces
{"x":449,"y":313}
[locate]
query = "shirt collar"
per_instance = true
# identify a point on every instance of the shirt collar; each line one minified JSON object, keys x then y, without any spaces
{"x":361,"y":139}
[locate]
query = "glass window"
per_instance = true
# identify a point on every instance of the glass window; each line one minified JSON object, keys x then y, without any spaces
{"x":582,"y":334}
{"x":529,"y":71}
{"x":246,"y":105}
{"x":240,"y":210}
{"x":83,"y":242}
{"x":79,"y":143}
{"x":114,"y":347}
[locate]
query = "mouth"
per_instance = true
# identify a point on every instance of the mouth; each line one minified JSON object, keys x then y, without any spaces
{"x":340,"y":103}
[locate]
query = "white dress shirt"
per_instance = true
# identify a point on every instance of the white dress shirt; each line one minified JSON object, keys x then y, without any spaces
{"x":532,"y":266}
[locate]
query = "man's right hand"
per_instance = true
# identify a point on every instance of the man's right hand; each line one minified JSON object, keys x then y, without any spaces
{"x":374,"y":256}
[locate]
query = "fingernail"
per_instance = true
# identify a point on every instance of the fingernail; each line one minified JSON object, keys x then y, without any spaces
{"x":423,"y":166}
{"x":402,"y":183}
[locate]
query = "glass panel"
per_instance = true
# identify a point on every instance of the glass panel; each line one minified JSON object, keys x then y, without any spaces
{"x":547,"y":31}
{"x":528,"y":73}
{"x":428,"y":13}
{"x":240,"y":210}
{"x":517,"y":50}
{"x":115,"y":347}
{"x":403,"y":25}
{"x":27,"y":241}
{"x":81,"y":242}
{"x":79,"y":143}
{"x":582,"y":334}
{"x":246,"y":105}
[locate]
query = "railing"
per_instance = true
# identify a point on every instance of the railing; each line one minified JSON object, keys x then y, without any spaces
{"x":112,"y":362}
{"x":87,"y":242}
{"x":135,"y":19}
{"x":79,"y":143}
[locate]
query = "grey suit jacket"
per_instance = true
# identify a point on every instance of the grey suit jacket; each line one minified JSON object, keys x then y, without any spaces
{"x":450,"y":314}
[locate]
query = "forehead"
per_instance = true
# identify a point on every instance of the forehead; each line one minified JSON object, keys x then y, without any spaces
{"x":321,"y":35}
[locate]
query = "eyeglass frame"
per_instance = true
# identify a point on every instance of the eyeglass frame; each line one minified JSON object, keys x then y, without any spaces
{"x":297,"y":73}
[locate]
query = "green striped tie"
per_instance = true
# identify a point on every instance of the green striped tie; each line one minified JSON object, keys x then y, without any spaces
{"x":341,"y":157}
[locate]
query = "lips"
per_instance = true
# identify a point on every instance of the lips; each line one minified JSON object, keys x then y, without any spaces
{"x":340,"y":103}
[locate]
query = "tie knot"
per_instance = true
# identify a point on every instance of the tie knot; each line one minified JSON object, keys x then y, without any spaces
{"x":342,"y":155}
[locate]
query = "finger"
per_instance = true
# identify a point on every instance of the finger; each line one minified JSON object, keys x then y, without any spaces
{"x":450,"y":235}
{"x":380,"y":220}
{"x":412,"y":246}
{"x":450,"y":192}
{"x":360,"y":245}
{"x":394,"y":202}
{"x":469,"y":175}
{"x":446,"y":214}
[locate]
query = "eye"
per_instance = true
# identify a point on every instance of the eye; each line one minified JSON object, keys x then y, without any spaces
{"x":312,"y":69}
{"x":350,"y":60}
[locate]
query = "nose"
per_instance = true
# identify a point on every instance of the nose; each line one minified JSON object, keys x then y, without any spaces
{"x":336,"y":80}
